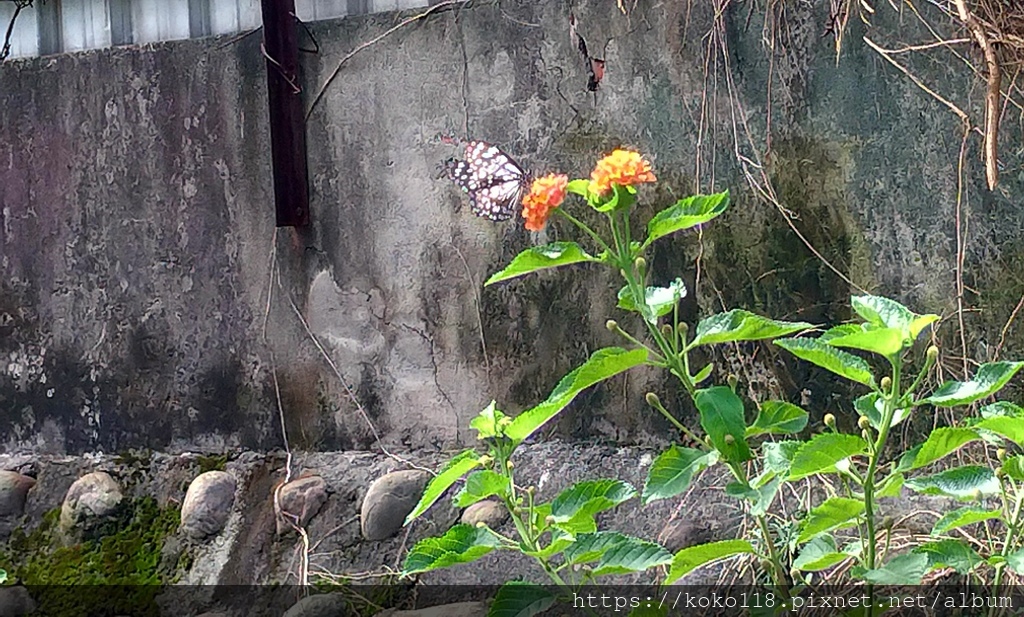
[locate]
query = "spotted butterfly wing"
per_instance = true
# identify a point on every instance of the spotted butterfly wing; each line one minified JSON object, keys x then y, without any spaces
{"x":494,"y":182}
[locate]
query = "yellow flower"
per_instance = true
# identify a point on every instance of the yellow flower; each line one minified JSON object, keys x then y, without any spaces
{"x":622,"y":167}
{"x":546,"y":194}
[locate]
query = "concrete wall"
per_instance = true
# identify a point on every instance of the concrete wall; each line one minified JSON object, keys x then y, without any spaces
{"x":146,"y":299}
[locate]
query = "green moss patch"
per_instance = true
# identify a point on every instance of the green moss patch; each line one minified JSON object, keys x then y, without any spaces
{"x":72,"y":580}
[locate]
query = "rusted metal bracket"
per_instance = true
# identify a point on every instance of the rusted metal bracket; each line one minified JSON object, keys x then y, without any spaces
{"x":287,"y":126}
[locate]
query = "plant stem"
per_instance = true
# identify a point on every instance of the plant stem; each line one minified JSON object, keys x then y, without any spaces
{"x":590,"y":232}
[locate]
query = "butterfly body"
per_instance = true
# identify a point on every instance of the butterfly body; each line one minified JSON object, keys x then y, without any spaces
{"x":494,"y":182}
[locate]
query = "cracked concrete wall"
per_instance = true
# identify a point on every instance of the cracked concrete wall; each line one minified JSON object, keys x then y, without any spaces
{"x":137,"y":306}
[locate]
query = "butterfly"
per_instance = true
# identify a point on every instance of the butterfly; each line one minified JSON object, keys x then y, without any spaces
{"x":494,"y":182}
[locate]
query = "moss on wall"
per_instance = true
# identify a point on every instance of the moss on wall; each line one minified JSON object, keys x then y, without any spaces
{"x":69,"y":580}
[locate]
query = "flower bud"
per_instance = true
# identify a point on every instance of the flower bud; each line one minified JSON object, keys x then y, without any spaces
{"x":531,"y":490}
{"x":865,"y":435}
{"x":549,"y":520}
{"x":976,"y":495}
{"x":640,"y":263}
{"x":732,"y":380}
{"x":480,"y":524}
{"x":729,"y":440}
{"x":683,"y":328}
{"x":485,"y":460}
{"x":1001,"y":454}
{"x":623,"y":274}
{"x":864,"y":423}
{"x":887,"y":522}
{"x":509,"y":465}
{"x":666,"y":331}
{"x":612,"y":325}
{"x":886,"y":384}
{"x":505,"y":422}
{"x":1000,"y":473}
{"x":933,"y":353}
{"x":830,"y":421}
{"x":652,"y":399}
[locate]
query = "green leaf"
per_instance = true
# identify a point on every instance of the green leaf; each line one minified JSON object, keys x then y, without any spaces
{"x":840,"y":330}
{"x":778,"y":417}
{"x":703,"y":374}
{"x":962,"y":517}
{"x":616,"y":553}
{"x":520,"y":599}
{"x":673,"y":470}
{"x":779,"y":455}
{"x":540,"y":258}
{"x":659,"y":300}
{"x":604,"y":363}
{"x":684,"y":214}
{"x":579,"y":187}
{"x":479,"y":486}
{"x":882,"y":341}
{"x":821,"y":453}
{"x":949,"y":554}
{"x":1010,"y":428}
{"x":740,"y":325}
{"x":960,"y":482}
{"x":691,"y":558}
{"x":941,"y":442}
{"x":463,"y":463}
{"x":832,"y":514}
{"x":906,"y":569}
{"x":487,"y":422}
{"x":575,"y":507}
{"x":989,"y":379}
{"x":721,"y":417}
{"x":885,"y":313}
{"x":1015,"y":561}
{"x":461,"y":544}
{"x":872,"y":406}
{"x":1002,"y":408}
{"x":819,"y":554}
{"x":1014,"y":467}
{"x":829,"y":358}
{"x":622,"y":197}
{"x":891,"y":486}
{"x":765,"y":496}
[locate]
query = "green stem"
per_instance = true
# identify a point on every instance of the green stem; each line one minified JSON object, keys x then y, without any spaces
{"x":590,"y":232}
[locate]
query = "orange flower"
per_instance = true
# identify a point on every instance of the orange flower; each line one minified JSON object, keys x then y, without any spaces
{"x":622,"y":167}
{"x":546,"y":194}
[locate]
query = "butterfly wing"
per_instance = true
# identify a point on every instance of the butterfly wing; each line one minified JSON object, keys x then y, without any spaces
{"x":494,"y":182}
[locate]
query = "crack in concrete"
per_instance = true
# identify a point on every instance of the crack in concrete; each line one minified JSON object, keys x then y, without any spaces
{"x":433,"y":361}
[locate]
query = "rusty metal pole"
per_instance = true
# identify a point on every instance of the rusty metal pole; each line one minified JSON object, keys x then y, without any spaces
{"x":287,"y":127}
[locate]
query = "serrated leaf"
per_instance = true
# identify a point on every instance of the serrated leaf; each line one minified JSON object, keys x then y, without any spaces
{"x":949,"y":553}
{"x":778,"y":455}
{"x":872,"y":406}
{"x":721,"y":417}
{"x":940,"y":443}
{"x":487,"y":422}
{"x":1015,"y":561}
{"x":765,"y":496}
{"x":1010,"y":428}
{"x":778,"y":417}
{"x":961,"y":517}
{"x":691,"y":558}
{"x":671,"y":473}
{"x":1013,"y":467}
{"x":461,"y":544}
{"x":603,"y":363}
{"x":832,"y":514}
{"x":829,"y":358}
{"x":520,"y":599}
{"x":616,"y":553}
{"x":1002,"y":408}
{"x":960,"y":482}
{"x":891,"y":486}
{"x":819,"y":554}
{"x":885,"y":342}
{"x":659,"y":301}
{"x":821,"y":453}
{"x":989,"y":379}
{"x":538,"y":258}
{"x":684,"y":214}
{"x":740,"y":325}
{"x":463,"y":463}
{"x":906,"y":569}
{"x":838,"y":331}
{"x":480,"y":485}
{"x":575,"y":507}
{"x":885,"y":313}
